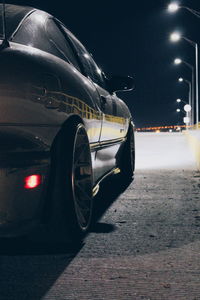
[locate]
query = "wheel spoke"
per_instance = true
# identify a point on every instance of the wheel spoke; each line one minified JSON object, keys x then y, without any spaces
{"x":84,"y":194}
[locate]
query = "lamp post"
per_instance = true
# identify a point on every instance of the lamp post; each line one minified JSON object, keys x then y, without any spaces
{"x":180,"y":79}
{"x":178,"y":61}
{"x":174,"y":7}
{"x":175,"y":37}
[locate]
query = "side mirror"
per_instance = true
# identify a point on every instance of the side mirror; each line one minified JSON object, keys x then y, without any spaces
{"x":120,"y":83}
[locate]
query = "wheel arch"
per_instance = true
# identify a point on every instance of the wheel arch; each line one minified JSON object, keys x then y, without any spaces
{"x":72,"y":119}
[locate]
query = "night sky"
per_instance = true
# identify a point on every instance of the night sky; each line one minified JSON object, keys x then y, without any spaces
{"x":132,"y":38}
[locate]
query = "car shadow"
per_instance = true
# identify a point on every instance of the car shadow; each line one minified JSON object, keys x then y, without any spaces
{"x":29,"y":269}
{"x":106,"y":196}
{"x":110,"y":190}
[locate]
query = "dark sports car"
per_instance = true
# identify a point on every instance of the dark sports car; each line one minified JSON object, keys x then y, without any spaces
{"x":62,"y":127}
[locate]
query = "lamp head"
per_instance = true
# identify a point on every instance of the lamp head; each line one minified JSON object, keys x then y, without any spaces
{"x":180,"y":79}
{"x":173,"y":7}
{"x":187,"y":107}
{"x":175,"y":36}
{"x":177,"y":61}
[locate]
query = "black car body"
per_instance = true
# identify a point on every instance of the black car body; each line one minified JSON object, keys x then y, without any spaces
{"x":54,"y":100}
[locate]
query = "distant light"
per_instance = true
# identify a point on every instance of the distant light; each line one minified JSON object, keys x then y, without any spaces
{"x":186,"y":120}
{"x":180,"y":79}
{"x":178,"y":100}
{"x":173,"y":7}
{"x":157,"y":131}
{"x":32,"y":181}
{"x":178,"y":128}
{"x":177,"y":61}
{"x":175,"y":36}
{"x":178,"y":110}
{"x":187,"y":107}
{"x":170,"y":130}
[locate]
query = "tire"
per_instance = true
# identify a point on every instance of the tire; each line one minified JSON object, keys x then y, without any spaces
{"x":127,"y":160}
{"x":71,"y":190}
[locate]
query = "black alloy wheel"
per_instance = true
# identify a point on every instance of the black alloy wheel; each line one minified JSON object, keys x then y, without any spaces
{"x":71,"y":188}
{"x":82,"y":179}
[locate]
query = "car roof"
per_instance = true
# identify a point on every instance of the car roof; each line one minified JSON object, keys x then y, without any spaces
{"x":14,"y":15}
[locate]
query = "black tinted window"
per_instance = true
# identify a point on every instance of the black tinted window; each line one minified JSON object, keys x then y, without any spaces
{"x":59,"y":43}
{"x":90,"y":67}
{"x":40,"y":31}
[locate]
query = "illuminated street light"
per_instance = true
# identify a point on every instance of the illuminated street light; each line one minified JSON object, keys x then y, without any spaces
{"x":178,"y":61}
{"x":186,"y":120}
{"x":187,"y":108}
{"x":173,"y":7}
{"x":175,"y":36}
{"x":189,"y":96}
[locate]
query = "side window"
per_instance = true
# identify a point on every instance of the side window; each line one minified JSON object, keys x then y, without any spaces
{"x":90,"y":67}
{"x":40,"y":31}
{"x":59,"y":43}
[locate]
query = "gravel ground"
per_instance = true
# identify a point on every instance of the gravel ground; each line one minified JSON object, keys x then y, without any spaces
{"x":145,"y":245}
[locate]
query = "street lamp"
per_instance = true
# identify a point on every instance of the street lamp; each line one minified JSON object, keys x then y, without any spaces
{"x":178,"y":61}
{"x":187,"y":108}
{"x":175,"y":37}
{"x":174,"y":7}
{"x":180,"y":79}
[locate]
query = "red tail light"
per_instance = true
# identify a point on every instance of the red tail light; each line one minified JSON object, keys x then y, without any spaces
{"x":32,"y":181}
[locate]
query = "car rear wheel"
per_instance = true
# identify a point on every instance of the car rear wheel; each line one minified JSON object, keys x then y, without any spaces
{"x":71,"y":192}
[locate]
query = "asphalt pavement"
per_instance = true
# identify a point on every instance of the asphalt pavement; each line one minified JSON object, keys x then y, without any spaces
{"x":145,"y":243}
